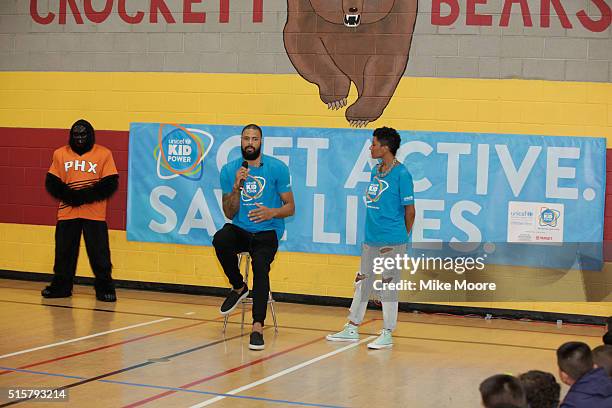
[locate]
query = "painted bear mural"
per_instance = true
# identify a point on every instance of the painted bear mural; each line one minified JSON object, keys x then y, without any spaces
{"x":332,"y":43}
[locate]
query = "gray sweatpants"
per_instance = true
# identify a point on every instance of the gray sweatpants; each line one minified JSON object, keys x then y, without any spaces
{"x":364,"y":286}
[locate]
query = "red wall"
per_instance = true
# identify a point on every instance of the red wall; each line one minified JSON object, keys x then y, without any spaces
{"x":25,"y":157}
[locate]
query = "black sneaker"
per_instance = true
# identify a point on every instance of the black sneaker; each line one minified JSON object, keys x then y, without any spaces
{"x":232,"y":300}
{"x":106,"y":295}
{"x":52,"y":292}
{"x":257,"y":341}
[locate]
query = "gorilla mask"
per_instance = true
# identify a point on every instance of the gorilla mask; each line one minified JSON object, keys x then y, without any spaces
{"x":82,"y":137}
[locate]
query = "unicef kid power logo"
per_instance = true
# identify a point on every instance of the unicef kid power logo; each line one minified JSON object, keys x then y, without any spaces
{"x":253,"y":188}
{"x":375,"y":190}
{"x":180,"y":151}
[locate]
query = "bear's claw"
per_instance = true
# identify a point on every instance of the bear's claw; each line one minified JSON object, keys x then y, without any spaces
{"x":335,"y":105}
{"x":359,"y":123}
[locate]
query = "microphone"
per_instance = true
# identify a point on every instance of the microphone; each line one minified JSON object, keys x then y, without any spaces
{"x":246,"y":166}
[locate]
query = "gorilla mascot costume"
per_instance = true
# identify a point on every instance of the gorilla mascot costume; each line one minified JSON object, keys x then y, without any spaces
{"x":82,"y":176}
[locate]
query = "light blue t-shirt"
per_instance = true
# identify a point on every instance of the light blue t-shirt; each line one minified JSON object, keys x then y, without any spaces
{"x":264,"y":186}
{"x":385,"y":199}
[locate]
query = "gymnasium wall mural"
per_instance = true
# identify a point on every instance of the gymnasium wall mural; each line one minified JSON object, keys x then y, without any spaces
{"x":333,"y":43}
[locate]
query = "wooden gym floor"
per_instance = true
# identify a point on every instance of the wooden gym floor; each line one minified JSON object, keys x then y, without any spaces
{"x":155,"y":349}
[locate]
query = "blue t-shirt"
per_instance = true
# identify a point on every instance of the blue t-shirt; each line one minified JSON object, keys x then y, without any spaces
{"x":385,"y":199}
{"x":264,"y":186}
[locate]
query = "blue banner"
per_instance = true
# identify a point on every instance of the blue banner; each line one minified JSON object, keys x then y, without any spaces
{"x":470,"y":188}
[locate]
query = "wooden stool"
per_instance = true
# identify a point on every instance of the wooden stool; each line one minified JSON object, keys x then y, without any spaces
{"x":249,"y":300}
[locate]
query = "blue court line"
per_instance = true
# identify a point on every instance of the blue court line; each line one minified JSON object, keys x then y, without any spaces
{"x":161,"y":387}
{"x":19,"y":370}
{"x":306,"y":404}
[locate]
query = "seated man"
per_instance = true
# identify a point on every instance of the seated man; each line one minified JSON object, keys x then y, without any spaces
{"x":602,"y":358}
{"x":589,"y":387}
{"x":541,"y":389}
{"x":256,"y":197}
{"x":502,"y":390}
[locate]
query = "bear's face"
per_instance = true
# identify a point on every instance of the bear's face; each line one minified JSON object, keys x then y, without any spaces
{"x":352,"y":13}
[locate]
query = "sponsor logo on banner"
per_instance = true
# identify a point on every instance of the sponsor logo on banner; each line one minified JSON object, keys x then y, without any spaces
{"x":548,"y":217}
{"x":181,"y":151}
{"x":535,"y":222}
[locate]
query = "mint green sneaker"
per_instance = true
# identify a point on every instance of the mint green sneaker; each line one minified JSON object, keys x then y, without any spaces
{"x":385,"y":340}
{"x":349,"y":333}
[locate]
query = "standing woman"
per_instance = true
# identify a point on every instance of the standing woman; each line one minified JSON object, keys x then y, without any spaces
{"x":389,"y":202}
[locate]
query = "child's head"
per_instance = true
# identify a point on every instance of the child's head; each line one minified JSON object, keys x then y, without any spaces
{"x":602,"y":357}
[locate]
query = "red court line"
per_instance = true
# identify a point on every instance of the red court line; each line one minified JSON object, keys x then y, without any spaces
{"x":109,"y":346}
{"x":231,"y":370}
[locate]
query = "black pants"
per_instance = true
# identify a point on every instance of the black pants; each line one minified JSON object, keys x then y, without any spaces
{"x":67,"y":240}
{"x":229,"y":241}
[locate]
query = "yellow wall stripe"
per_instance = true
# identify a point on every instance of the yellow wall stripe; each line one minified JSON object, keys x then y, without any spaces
{"x":113,"y":100}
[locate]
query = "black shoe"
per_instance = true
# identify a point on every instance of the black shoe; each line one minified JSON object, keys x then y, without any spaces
{"x":257,"y":341}
{"x":106,"y":295}
{"x":232,"y":300}
{"x":52,"y":292}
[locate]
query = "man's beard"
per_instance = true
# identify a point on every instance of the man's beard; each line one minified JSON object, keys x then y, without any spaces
{"x":250,"y":156}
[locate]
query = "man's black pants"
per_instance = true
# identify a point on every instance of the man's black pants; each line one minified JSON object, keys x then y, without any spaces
{"x":229,"y":241}
{"x":67,"y":241}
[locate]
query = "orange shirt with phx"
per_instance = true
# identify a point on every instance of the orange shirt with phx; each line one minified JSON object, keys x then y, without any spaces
{"x":81,"y":172}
